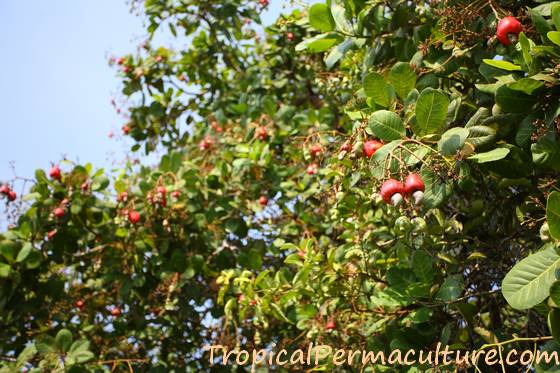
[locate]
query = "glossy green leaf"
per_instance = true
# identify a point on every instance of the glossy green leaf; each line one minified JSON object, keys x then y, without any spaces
{"x":554,"y":36}
{"x":512,"y":101}
{"x":403,"y":78}
{"x":320,"y":18}
{"x":377,"y":88}
{"x":431,"y":112}
{"x":451,"y":289}
{"x":528,"y":282}
{"x":387,"y":125}
{"x":553,"y":214}
{"x":504,"y":65}
{"x":63,"y":340}
{"x":453,"y":140}
{"x":491,"y":156}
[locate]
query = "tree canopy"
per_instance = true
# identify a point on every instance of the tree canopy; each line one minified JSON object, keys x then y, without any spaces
{"x":269,"y":219}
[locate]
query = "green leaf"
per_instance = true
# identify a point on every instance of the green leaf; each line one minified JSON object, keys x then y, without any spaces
{"x":526,"y":45}
{"x":8,"y":250}
{"x":80,"y":357}
{"x":279,"y":314}
{"x":320,"y":18}
{"x":24,"y":252}
{"x":453,"y":140}
{"x":386,"y":125}
{"x":526,"y":85}
{"x":546,"y":153}
{"x":554,"y":36}
{"x":553,"y":214}
{"x":46,"y":345}
{"x":529,"y":281}
{"x":451,"y":289}
{"x":63,"y":340}
{"x":403,"y":78}
{"x":491,"y":156}
{"x":80,"y":345}
{"x":512,"y":101}
{"x":555,"y":293}
{"x":481,"y":136}
{"x":504,"y":65}
{"x":422,"y":266}
{"x":550,"y":367}
{"x":319,"y":43}
{"x":338,"y":11}
{"x":436,"y":191}
{"x":554,"y":323}
{"x":377,"y":88}
{"x":431,"y":112}
{"x":338,"y":52}
{"x":539,"y":22}
{"x":556,"y":15}
{"x":26,"y":355}
{"x":100,"y":183}
{"x":5,"y":270}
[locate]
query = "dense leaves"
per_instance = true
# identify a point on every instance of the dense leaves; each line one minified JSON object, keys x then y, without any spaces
{"x":262,"y":223}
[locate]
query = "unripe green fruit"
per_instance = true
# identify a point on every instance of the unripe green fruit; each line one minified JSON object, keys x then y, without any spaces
{"x":403,"y":225}
{"x":496,"y":110}
{"x":419,"y":225}
{"x":545,"y":232}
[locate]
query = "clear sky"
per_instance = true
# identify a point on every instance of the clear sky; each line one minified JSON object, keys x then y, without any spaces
{"x":56,"y":84}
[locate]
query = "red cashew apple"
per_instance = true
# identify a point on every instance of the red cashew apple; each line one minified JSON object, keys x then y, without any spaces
{"x":12,"y":196}
{"x":330,"y":325}
{"x":4,"y":189}
{"x":161,"y":190}
{"x":371,"y":146}
{"x":290,"y":36}
{"x":116,"y":312}
{"x":125,"y":129}
{"x":206,"y":143}
{"x":262,"y":133}
{"x":80,"y":303}
{"x":315,"y":150}
{"x":508,"y":30}
{"x":59,"y":212}
{"x":54,"y":173}
{"x":414,"y":186}
{"x":134,"y":217}
{"x":392,"y":192}
{"x":51,"y":234}
{"x":312,"y":169}
{"x":263,"y":201}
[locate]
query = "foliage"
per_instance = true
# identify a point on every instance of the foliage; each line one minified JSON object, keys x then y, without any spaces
{"x":237,"y":114}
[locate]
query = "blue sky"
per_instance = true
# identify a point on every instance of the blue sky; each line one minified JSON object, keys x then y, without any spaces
{"x":56,"y":84}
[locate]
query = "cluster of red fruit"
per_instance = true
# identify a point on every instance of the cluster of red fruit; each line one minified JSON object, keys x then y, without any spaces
{"x":81,"y":304}
{"x":8,"y":192}
{"x":370,"y":147}
{"x":206,"y":143}
{"x":160,"y":196}
{"x":393,"y":191}
{"x":157,"y":198}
